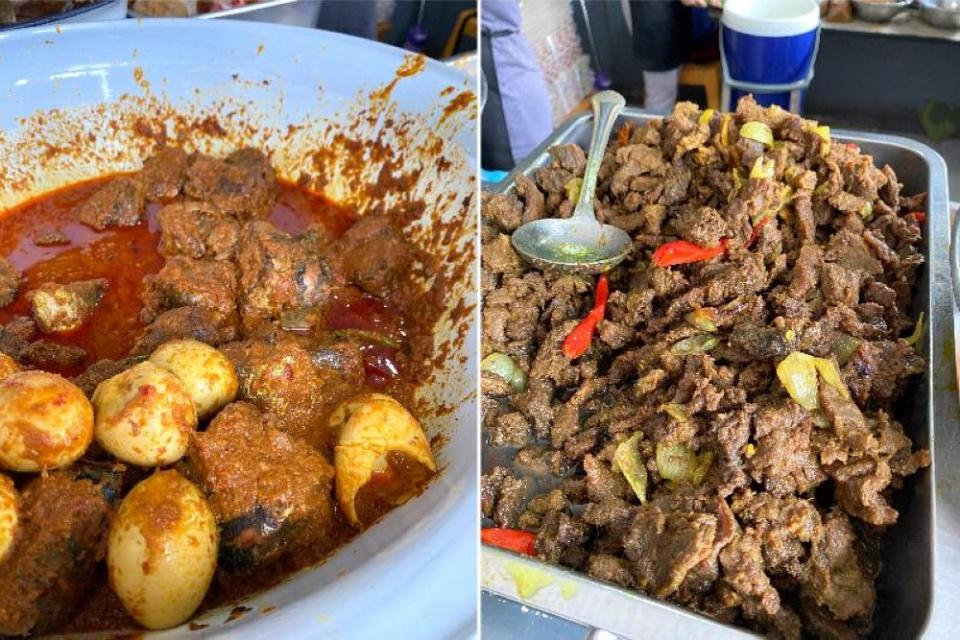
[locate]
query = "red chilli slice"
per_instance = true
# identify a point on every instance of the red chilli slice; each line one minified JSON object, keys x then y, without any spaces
{"x":683,"y":252}
{"x":578,"y":340}
{"x":510,"y":539}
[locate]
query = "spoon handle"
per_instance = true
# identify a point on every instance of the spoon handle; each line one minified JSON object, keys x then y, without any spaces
{"x":606,"y":107}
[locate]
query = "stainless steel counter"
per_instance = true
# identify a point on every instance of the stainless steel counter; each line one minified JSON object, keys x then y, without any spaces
{"x":908,"y":24}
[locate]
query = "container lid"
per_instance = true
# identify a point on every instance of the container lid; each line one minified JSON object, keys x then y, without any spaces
{"x":769,"y":18}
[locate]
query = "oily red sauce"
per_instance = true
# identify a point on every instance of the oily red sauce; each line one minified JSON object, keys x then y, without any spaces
{"x":297,"y":208}
{"x":122,"y":255}
{"x":377,"y":496}
{"x":353,"y":309}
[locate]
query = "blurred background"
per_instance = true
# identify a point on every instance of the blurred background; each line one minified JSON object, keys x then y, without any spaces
{"x":888,"y":67}
{"x":436,"y":29}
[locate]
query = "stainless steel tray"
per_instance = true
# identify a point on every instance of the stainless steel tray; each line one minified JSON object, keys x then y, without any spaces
{"x":905,"y":589}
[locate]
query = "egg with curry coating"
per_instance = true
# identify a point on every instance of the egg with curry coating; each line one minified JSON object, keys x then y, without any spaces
{"x":9,"y":515}
{"x":209,"y":376}
{"x":162,"y":550}
{"x":45,"y":422}
{"x":371,"y":428}
{"x":8,"y":366}
{"x":145,"y":416}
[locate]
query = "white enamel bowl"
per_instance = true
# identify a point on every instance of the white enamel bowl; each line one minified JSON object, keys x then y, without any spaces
{"x":70,"y":100}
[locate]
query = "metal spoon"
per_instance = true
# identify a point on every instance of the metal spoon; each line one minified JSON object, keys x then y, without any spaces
{"x":580,"y":243}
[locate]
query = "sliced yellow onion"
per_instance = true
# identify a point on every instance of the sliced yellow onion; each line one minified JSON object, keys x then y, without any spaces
{"x":824,"y":133}
{"x":702,"y":319}
{"x":699,"y":343}
{"x":737,"y":177}
{"x":627,"y":460}
{"x":675,"y":462}
{"x":725,"y":130}
{"x":798,"y":373}
{"x":675,"y":411}
{"x":844,"y":347}
{"x":758,"y":132}
{"x":702,"y":468}
{"x":504,"y":367}
{"x":763,"y":169}
{"x":679,"y":463}
{"x":830,"y":373}
{"x":914,"y":337}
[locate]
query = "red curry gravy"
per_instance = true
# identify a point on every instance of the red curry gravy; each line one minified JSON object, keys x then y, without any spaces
{"x":122,"y":255}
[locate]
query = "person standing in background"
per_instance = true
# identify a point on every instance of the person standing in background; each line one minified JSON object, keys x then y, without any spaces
{"x":353,"y":17}
{"x":518,"y":114}
{"x":662,"y":40}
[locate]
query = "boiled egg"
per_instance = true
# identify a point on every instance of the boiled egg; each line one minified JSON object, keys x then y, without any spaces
{"x":162,"y":550}
{"x":209,"y":377}
{"x":45,"y":422}
{"x":9,"y":515}
{"x":370,"y":426}
{"x":8,"y":366}
{"x":144,"y":416}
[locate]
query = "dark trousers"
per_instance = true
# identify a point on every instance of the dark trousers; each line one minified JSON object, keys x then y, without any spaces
{"x":662,"y":34}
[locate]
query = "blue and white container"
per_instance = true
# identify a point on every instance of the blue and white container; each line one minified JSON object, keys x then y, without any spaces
{"x":768,"y":48}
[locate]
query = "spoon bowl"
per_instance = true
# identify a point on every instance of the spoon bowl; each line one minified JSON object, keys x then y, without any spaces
{"x":580,"y":243}
{"x":573,"y":245}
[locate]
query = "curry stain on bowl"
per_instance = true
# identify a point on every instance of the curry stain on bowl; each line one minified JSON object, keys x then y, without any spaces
{"x":237,"y":613}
